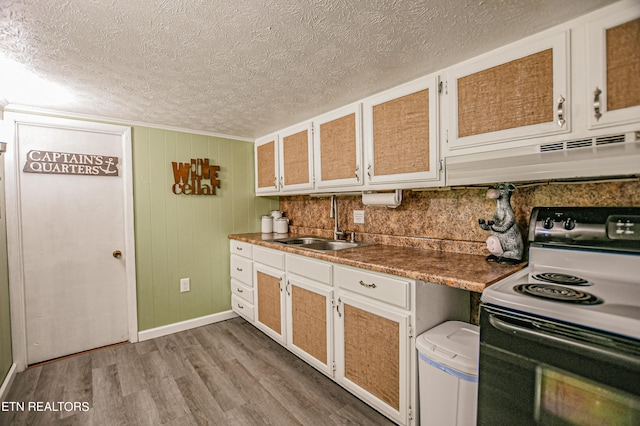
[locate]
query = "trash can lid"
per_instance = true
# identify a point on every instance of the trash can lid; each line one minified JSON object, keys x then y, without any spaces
{"x":455,"y":344}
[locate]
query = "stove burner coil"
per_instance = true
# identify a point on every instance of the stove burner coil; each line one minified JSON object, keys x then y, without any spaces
{"x":558,"y":293}
{"x":564,"y":279}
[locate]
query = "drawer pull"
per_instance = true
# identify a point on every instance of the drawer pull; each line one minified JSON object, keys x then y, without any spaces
{"x":240,"y":306}
{"x":239,"y":248}
{"x":363,"y":284}
{"x":239,"y":290}
{"x":238,"y":269}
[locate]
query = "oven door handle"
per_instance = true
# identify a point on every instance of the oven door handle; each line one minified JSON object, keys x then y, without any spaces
{"x":564,"y":341}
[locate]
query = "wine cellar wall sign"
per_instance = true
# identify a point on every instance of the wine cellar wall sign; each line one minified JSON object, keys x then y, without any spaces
{"x":66,"y":163}
{"x":188,"y":177}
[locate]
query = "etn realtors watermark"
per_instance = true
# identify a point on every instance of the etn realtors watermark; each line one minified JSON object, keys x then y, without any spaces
{"x":41,"y":406}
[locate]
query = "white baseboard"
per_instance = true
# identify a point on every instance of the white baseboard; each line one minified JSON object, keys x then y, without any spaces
{"x":184,"y":325}
{"x":8,"y":380}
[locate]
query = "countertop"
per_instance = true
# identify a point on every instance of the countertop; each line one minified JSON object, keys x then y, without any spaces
{"x":465,"y":271}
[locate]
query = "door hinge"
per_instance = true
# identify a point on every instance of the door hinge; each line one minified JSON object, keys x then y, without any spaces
{"x":410,"y":413}
{"x":442,"y":88}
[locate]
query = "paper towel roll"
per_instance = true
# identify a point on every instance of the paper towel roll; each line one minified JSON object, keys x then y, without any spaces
{"x":386,"y":199}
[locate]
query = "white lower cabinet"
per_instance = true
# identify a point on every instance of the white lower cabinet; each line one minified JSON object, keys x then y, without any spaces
{"x":310,"y":322}
{"x":242,"y":300}
{"x":356,"y":326}
{"x":270,"y":301}
{"x":372,"y":353}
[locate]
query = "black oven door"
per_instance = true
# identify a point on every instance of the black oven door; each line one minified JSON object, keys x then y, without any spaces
{"x":534,"y":371}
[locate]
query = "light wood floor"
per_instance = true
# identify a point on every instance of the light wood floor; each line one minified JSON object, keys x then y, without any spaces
{"x":227,"y":373}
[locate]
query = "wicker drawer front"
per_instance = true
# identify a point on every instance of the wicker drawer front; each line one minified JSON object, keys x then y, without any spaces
{"x":309,"y":268}
{"x":242,"y":307}
{"x":241,"y":249}
{"x":269,"y":257}
{"x":240,"y":290}
{"x":242,"y":269}
{"x":381,"y":287}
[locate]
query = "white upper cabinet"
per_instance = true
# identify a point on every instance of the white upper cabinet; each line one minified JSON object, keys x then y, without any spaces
{"x":514,"y":93}
{"x":613,"y":56}
{"x":296,"y":158}
{"x":284,"y":161}
{"x":401,"y":135}
{"x":267,"y":165}
{"x":338,"y":148}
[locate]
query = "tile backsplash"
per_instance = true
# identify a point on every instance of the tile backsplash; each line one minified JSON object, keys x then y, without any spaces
{"x":447,"y":219}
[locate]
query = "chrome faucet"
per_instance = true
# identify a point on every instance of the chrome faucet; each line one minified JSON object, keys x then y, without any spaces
{"x":337,"y":233}
{"x":334,"y":215}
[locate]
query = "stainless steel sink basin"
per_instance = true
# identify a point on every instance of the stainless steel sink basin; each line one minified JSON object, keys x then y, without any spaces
{"x":299,"y":240}
{"x":331,"y":245}
{"x":319,"y":244}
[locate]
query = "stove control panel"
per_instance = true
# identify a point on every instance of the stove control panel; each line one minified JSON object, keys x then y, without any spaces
{"x":601,"y":228}
{"x":623,"y":227}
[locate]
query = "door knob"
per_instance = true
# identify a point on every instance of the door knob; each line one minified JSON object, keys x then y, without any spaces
{"x":117,"y":254}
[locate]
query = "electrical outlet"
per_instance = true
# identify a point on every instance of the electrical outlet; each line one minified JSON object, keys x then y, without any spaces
{"x":358,"y":216}
{"x":185,"y":285}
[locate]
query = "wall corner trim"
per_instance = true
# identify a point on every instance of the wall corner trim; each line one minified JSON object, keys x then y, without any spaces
{"x":8,"y":381}
{"x":185,"y":325}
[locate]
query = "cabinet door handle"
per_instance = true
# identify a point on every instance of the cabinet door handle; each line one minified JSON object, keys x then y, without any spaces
{"x":363,"y":284}
{"x":596,"y":103}
{"x":281,"y":182}
{"x":287,"y":288}
{"x":560,"y":111}
{"x":369,"y":171}
{"x":275,"y":182}
{"x":358,"y":173}
{"x":338,"y":308}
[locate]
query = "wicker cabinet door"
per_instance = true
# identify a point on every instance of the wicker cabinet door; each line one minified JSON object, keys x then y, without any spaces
{"x":400,"y":134}
{"x":270,"y":301}
{"x":309,"y":322}
{"x":515,"y":93}
{"x":372,"y":354}
{"x":614,"y":69}
{"x":266,"y":165}
{"x":338,"y":147}
{"x":296,"y":157}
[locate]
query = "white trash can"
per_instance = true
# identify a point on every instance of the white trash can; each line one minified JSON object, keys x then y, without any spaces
{"x":448,"y":374}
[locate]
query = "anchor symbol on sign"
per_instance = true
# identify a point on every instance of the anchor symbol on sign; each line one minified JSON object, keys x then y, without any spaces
{"x":108,"y":170}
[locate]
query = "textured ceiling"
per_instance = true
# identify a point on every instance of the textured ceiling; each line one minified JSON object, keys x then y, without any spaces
{"x":248,"y":67}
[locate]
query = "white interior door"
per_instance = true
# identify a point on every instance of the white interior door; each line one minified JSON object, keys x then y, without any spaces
{"x":72,"y":227}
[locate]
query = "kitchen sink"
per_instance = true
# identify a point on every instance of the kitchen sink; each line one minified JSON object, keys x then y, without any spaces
{"x":300,"y":240}
{"x":319,"y":244}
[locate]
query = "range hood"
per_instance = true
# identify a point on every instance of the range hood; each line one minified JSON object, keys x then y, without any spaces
{"x":602,"y":156}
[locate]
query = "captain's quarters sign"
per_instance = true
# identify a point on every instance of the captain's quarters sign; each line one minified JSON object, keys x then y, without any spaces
{"x":65,"y":163}
{"x":195,"y":178}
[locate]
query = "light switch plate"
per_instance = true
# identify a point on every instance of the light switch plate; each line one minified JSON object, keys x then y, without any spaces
{"x":358,"y":216}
